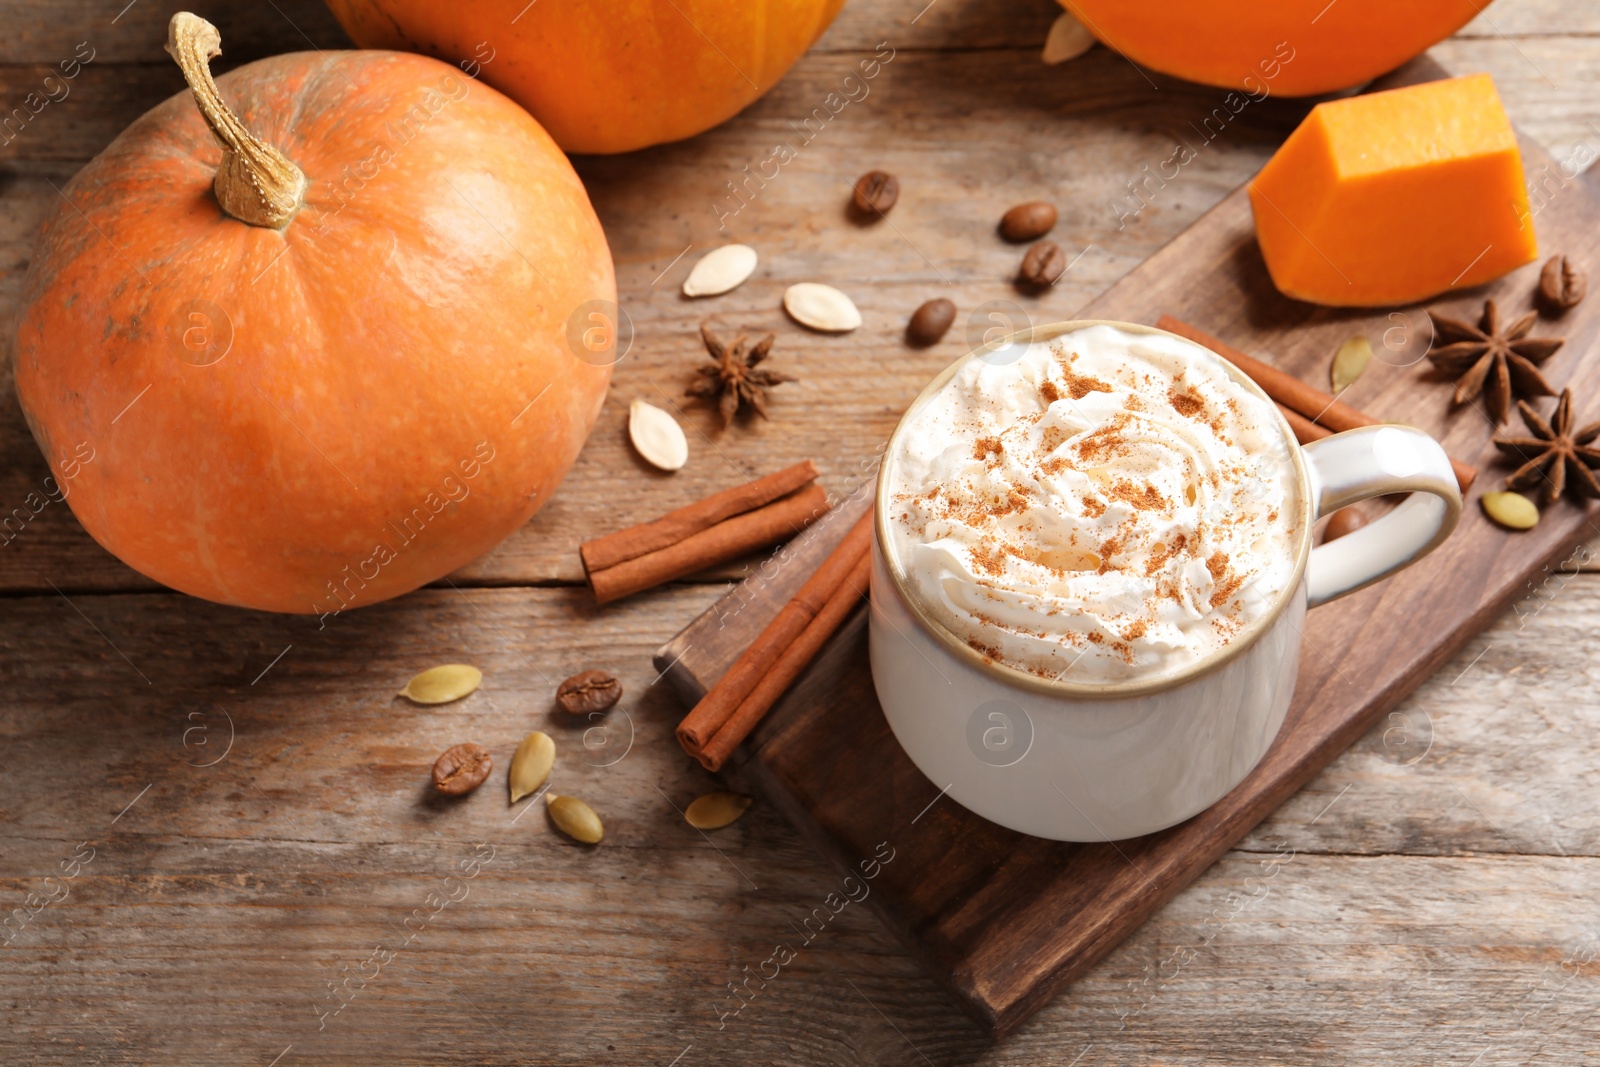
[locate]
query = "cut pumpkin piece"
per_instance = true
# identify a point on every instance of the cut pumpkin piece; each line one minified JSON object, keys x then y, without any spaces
{"x":1395,"y":197}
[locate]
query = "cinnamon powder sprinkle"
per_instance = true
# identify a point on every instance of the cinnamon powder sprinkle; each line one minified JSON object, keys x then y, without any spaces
{"x":1080,"y":385}
{"x":989,"y":558}
{"x":1225,"y":591}
{"x":984,"y":446}
{"x":1186,"y":404}
{"x":1158,"y":558}
{"x":986,"y":651}
{"x":1144,"y":498}
{"x":1108,"y":548}
{"x":1048,"y":390}
{"x":1228,"y":582}
{"x":1103,"y":441}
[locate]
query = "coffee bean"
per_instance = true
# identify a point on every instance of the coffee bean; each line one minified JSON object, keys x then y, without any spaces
{"x":930,"y":322}
{"x":1562,"y":285}
{"x":461,"y":769}
{"x":1044,"y":263}
{"x":1344,"y":521}
{"x":876,"y":192}
{"x":589,"y":692}
{"x":1028,"y":222}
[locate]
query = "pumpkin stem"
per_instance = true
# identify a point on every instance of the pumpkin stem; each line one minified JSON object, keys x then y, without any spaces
{"x":256,"y":183}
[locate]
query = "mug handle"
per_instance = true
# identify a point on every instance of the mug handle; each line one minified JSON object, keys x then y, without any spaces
{"x":1368,"y":462}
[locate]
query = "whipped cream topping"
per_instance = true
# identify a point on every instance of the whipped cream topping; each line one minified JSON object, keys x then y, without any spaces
{"x":1107,"y":506}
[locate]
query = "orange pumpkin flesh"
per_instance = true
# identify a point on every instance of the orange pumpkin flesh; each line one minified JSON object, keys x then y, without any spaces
{"x":394,"y":393}
{"x":607,"y":75}
{"x":1393,"y":197}
{"x":1285,"y":47}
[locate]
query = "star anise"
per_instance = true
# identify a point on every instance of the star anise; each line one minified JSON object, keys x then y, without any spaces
{"x":1487,"y":360}
{"x":1554,"y":455}
{"x":734,"y":378}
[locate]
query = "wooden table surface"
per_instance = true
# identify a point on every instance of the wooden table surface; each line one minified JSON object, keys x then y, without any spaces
{"x":259,"y":874}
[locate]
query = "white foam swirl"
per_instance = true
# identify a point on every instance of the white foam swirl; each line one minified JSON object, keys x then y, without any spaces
{"x":1109,"y":505}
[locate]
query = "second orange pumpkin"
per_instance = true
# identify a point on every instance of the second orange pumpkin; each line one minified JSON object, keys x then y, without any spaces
{"x":1283,"y":47}
{"x":606,"y":75}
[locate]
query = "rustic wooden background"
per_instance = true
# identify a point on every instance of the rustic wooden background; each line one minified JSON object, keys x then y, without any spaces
{"x":262,"y":876}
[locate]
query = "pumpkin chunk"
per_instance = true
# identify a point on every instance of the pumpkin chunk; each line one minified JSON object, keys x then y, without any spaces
{"x":1395,"y":197}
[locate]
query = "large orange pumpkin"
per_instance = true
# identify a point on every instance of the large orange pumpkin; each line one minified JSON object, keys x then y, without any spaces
{"x":323,"y":367}
{"x":607,"y":75}
{"x":1283,"y":47}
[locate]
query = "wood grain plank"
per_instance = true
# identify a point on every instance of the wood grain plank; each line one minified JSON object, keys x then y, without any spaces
{"x":1462,"y":755}
{"x":1392,"y":960}
{"x":219,"y":906}
{"x":40,"y":31}
{"x":1533,"y":18}
{"x":143,"y":665}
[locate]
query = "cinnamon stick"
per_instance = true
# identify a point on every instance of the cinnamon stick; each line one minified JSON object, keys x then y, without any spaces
{"x":795,"y":659}
{"x":1319,"y":408}
{"x":729,"y":539}
{"x":1305,"y":431}
{"x":724,"y":698}
{"x":676,"y":526}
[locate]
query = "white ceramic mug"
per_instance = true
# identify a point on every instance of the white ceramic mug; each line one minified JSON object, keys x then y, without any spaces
{"x":1099,"y":762}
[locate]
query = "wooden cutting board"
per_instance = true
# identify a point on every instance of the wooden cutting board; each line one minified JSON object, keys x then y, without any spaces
{"x":1007,"y":921}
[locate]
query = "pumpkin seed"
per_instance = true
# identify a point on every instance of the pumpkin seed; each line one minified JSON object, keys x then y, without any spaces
{"x":1511,"y":510}
{"x":441,"y":685}
{"x":530,"y":766}
{"x":657,"y":436}
{"x":1068,"y":39}
{"x":720,"y":270}
{"x":1349,"y":362}
{"x":715,"y":810}
{"x":821,"y":307}
{"x":575,"y":819}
